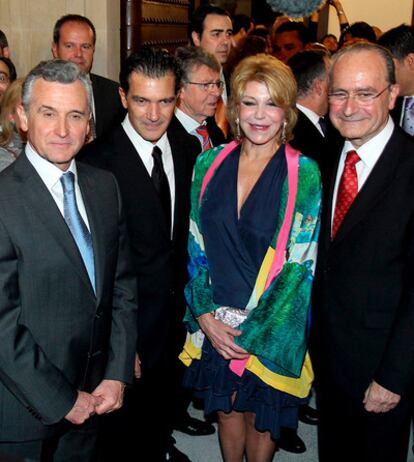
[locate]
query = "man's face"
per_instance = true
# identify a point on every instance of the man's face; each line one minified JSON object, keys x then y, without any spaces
{"x":4,"y":78}
{"x":150,"y":104}
{"x":195,"y":101}
{"x":361,"y":73}
{"x":404,"y":73}
{"x":57,"y":121}
{"x":75,"y":45}
{"x":216,"y":36}
{"x":286,"y":44}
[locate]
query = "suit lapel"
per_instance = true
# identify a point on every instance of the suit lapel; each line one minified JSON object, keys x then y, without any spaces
{"x":44,"y":207}
{"x":374,"y":188}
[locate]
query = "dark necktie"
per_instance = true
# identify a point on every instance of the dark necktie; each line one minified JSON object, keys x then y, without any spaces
{"x":324,"y":127}
{"x":77,"y":226}
{"x":203,"y":132}
{"x":408,"y":120}
{"x":347,"y":191}
{"x":160,"y":181}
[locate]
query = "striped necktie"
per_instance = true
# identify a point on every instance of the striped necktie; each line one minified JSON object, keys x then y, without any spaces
{"x":408,"y":121}
{"x":77,"y":226}
{"x":202,"y":131}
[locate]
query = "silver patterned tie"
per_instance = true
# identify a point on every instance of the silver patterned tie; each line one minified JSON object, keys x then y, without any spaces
{"x":408,"y":121}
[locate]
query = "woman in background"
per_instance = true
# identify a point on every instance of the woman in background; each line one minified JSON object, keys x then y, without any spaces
{"x":7,"y":74}
{"x":252,"y":246}
{"x":12,"y":139}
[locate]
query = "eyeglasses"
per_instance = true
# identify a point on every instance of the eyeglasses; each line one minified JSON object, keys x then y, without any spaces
{"x":361,"y":97}
{"x":4,"y":78}
{"x":208,"y":86}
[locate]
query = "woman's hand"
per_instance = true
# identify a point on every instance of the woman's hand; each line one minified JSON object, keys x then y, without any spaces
{"x":222,"y":337}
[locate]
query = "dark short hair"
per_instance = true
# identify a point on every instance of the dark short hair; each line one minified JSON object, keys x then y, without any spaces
{"x":307,"y":66}
{"x":153,"y":62}
{"x":365,"y":46}
{"x":72,"y":18}
{"x":200,"y":14}
{"x":362,"y":30}
{"x":190,"y":58}
{"x":293,"y":26}
{"x":55,"y":70}
{"x":3,"y":40}
{"x":241,"y":21}
{"x":12,"y":70}
{"x":399,"y":40}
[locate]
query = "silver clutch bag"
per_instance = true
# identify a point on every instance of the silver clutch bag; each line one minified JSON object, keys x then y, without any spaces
{"x":232,"y":317}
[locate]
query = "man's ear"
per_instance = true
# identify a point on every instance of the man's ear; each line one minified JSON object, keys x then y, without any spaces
{"x":196,"y":38}
{"x":54,"y":50}
{"x":6,"y":52}
{"x":21,"y":114}
{"x":123,"y":97}
{"x":410,"y":61}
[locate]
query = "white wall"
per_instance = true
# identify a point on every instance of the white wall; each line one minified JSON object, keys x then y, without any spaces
{"x":384,"y":14}
{"x":28,"y":25}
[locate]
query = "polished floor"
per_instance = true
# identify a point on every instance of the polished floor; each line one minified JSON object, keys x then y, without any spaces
{"x":206,"y":448}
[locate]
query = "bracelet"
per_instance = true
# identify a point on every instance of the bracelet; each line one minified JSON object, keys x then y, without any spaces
{"x":340,"y":12}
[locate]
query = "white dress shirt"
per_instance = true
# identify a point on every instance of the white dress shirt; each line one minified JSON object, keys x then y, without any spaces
{"x":50,"y":175}
{"x":369,"y":154}
{"x":189,"y":124}
{"x":144,"y":149}
{"x":312,"y":116}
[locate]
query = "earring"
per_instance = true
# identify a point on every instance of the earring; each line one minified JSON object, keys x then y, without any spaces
{"x":238,"y":133}
{"x":283,"y":135}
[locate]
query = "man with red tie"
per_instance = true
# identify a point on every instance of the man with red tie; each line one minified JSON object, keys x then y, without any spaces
{"x":362,"y":339}
{"x":200,"y":92}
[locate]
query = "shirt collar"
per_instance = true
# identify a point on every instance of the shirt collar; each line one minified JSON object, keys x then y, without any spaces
{"x":48,"y":172}
{"x":187,"y":122}
{"x":371,"y":151}
{"x":312,"y":116}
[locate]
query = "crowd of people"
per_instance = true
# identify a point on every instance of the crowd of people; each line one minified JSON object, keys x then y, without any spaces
{"x":190,"y":252}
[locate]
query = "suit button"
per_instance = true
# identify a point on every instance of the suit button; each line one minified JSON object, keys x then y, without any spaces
{"x":98,"y":314}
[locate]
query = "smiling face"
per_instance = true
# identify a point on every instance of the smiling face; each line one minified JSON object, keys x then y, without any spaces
{"x":150,"y":103}
{"x":57,"y":121}
{"x":216,"y":36}
{"x":75,"y":45}
{"x":361,"y":72}
{"x":260,"y":119}
{"x":194,"y":100}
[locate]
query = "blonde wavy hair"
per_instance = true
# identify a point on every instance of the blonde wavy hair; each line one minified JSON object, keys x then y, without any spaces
{"x":11,"y":99}
{"x":278,"y":79}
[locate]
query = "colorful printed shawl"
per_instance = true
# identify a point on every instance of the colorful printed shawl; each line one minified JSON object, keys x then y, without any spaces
{"x":275,"y":329}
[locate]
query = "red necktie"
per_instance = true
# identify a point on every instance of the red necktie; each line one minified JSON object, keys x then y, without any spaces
{"x":202,"y":131}
{"x":347,"y":191}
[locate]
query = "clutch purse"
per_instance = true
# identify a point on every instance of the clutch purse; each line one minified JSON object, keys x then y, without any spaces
{"x":232,"y":317}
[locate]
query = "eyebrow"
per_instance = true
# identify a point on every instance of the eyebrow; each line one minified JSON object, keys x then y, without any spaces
{"x":45,"y":107}
{"x":167,"y":98}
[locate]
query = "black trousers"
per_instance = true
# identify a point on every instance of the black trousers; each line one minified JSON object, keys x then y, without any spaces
{"x":347,"y":432}
{"x":72,"y":444}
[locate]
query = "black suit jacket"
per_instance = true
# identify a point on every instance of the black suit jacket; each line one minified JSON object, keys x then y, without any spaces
{"x":159,"y":261}
{"x":308,"y":140}
{"x":192,"y":143}
{"x":108,"y":107}
{"x":363,"y":291}
{"x":57,"y":336}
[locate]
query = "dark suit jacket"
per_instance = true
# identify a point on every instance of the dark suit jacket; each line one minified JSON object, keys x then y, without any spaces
{"x":308,"y":140}
{"x":108,"y":107}
{"x":159,"y":261}
{"x":364,"y":298}
{"x":57,"y":336}
{"x":192,"y":143}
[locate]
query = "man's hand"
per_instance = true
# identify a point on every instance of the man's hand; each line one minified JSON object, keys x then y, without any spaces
{"x":83,"y":408}
{"x":137,"y":368}
{"x":111,"y":394}
{"x":222,"y":337}
{"x":379,"y":399}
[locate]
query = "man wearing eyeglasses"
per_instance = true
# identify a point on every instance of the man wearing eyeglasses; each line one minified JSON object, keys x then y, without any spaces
{"x":362,"y":340}
{"x":198,"y":97}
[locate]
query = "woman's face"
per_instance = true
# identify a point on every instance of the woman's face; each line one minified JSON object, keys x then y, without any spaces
{"x":4,"y":78}
{"x":260,"y":119}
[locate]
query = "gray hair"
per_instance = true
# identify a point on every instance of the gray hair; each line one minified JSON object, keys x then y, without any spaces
{"x":189,"y":58}
{"x":359,"y":47}
{"x":56,"y":70}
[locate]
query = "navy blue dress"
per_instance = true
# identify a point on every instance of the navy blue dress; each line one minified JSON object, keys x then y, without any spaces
{"x":235,"y":248}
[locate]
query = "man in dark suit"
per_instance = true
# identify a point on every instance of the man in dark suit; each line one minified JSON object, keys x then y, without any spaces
{"x":198,"y":97}
{"x":400,"y":42}
{"x":74,"y":39}
{"x":312,"y":131}
{"x":67,"y":303}
{"x":362,"y":341}
{"x":141,"y":153}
